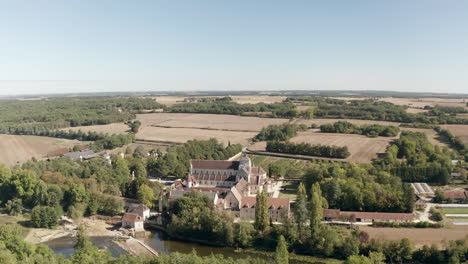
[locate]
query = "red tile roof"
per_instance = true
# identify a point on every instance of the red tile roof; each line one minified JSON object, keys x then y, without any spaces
{"x":460,"y":194}
{"x":129,"y":217}
{"x":379,"y":216}
{"x":331,"y":213}
{"x":274,"y":203}
{"x":258,"y":171}
{"x":215,"y":164}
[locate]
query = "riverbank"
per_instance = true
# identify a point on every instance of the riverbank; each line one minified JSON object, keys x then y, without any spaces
{"x":205,"y":248}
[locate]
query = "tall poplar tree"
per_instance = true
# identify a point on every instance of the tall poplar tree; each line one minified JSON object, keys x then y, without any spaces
{"x":281,"y":253}
{"x":316,"y":209}
{"x":262,"y":216}
{"x":300,"y":210}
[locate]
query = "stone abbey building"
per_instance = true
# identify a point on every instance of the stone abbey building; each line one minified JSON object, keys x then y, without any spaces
{"x":232,"y":185}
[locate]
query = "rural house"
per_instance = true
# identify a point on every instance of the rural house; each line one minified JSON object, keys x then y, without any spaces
{"x":133,"y":221}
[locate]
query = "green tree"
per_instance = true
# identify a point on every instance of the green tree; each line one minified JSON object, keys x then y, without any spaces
{"x":120,"y":170}
{"x":86,"y":252}
{"x":316,"y":209}
{"x":408,"y":197}
{"x":281,"y":253}
{"x":140,"y":152}
{"x":145,"y":195}
{"x":301,"y":213}
{"x":358,"y":260}
{"x":262,"y":215}
{"x":14,"y":207}
{"x":44,"y":216}
{"x":377,"y":257}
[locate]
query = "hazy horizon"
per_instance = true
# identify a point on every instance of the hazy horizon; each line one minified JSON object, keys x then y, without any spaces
{"x":118,"y":46}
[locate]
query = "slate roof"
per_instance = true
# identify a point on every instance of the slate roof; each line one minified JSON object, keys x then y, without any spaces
{"x":213,"y":177}
{"x":215,"y":164}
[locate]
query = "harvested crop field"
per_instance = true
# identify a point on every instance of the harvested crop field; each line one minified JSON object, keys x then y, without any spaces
{"x":420,"y":236}
{"x":17,"y":149}
{"x":421,"y":102}
{"x":363,"y":149}
{"x":247,"y":99}
{"x":115,"y":128}
{"x":416,"y":110}
{"x":182,"y":135}
{"x":460,"y":131}
{"x":240,"y":99}
{"x":208,"y":121}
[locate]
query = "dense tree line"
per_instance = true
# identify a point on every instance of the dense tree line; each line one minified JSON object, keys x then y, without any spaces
{"x":280,"y":132}
{"x":53,"y":113}
{"x":230,"y":108}
{"x":419,"y":125}
{"x":75,"y":188}
{"x":193,"y":216}
{"x":455,"y":142}
{"x":360,"y":187}
{"x":367,"y":130}
{"x":438,"y":109}
{"x":413,"y":158}
{"x":373,"y":110}
{"x":308,"y":149}
{"x":177,"y":160}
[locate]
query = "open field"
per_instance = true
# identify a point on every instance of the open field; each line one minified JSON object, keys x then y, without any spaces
{"x":247,"y":99}
{"x":182,"y":135}
{"x":362,"y":148}
{"x":460,"y":131}
{"x":208,"y":121}
{"x":421,"y":102}
{"x":416,"y":110}
{"x":115,"y":128}
{"x":18,"y":149}
{"x":420,"y":236}
{"x":240,"y":99}
{"x":412,"y":102}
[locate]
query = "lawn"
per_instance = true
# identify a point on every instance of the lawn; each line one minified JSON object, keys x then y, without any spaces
{"x":454,"y":210}
{"x":289,"y":190}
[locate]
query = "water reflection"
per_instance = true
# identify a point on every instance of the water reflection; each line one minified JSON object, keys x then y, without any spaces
{"x":158,"y":241}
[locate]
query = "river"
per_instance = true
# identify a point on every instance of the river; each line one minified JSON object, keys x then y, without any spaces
{"x":159,"y":242}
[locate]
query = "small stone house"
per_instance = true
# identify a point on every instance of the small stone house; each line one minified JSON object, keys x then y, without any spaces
{"x":133,"y":221}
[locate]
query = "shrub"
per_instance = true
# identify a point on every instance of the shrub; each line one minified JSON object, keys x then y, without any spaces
{"x":44,"y":216}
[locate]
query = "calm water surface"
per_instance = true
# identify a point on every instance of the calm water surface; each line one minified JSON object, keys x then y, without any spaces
{"x":158,"y":241}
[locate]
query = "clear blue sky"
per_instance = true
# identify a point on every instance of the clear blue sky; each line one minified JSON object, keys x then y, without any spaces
{"x":111,"y":45}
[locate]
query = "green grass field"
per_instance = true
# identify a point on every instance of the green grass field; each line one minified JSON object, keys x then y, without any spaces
{"x":454,"y":210}
{"x":294,"y":167}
